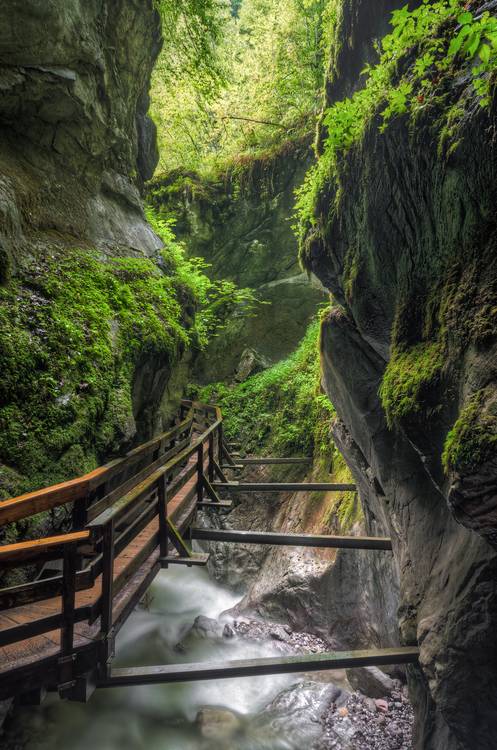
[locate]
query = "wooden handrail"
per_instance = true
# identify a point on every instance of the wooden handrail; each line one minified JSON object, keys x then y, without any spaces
{"x":31,"y":503}
{"x":19,"y":552}
{"x":122,"y":503}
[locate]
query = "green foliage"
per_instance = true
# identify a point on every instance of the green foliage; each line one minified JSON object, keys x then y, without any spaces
{"x":408,"y":376}
{"x":473,"y":439}
{"x":280,"y":411}
{"x":267,"y":66}
{"x":439,"y":39}
{"x":216,"y":301}
{"x":74,"y":328}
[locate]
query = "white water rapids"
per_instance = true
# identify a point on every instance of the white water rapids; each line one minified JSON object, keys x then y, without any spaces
{"x":163,"y":717}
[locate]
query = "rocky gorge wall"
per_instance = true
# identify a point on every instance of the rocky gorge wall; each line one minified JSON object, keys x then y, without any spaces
{"x":91,"y":329}
{"x":407,"y":246}
{"x":240,"y":222}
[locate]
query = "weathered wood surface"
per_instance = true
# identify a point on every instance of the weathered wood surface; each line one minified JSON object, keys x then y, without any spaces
{"x":292,"y":540}
{"x":47,"y":498}
{"x":134,"y":525}
{"x":47,"y":548}
{"x":137,"y":564}
{"x":266,"y":460}
{"x":283,"y":486}
{"x":168,"y":673}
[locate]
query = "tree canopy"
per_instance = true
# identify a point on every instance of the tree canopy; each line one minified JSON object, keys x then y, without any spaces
{"x":236,"y":77}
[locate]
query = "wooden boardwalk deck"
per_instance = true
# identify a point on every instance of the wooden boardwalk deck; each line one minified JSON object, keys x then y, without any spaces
{"x":59,"y":633}
{"x":31,"y":650}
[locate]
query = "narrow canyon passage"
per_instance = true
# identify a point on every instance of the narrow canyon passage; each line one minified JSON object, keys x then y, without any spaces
{"x":186,"y":617}
{"x":248,"y":259}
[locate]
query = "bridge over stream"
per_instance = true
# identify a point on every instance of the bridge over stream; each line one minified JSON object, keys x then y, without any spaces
{"x":130,"y":518}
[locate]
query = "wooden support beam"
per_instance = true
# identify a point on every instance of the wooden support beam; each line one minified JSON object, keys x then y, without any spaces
{"x":221,"y":505}
{"x":292,"y":540}
{"x":196,"y":559}
{"x":219,"y":471}
{"x":284,"y":486}
{"x":169,"y":673}
{"x":177,"y":540}
{"x":262,"y":460}
{"x":211,"y":492}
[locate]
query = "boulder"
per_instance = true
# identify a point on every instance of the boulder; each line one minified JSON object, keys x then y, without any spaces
{"x":370,"y":681}
{"x":218,"y":724}
{"x":250,"y":363}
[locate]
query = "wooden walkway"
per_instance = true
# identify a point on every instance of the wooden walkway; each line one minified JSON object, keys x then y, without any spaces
{"x":130,"y":518}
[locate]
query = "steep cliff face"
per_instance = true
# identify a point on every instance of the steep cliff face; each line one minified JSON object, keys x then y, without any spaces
{"x":92,"y":320}
{"x":240,"y":223}
{"x":75,"y":138}
{"x":406,"y":243}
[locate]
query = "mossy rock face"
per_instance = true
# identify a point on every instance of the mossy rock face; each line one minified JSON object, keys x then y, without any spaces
{"x":87,"y":348}
{"x":470,"y":460}
{"x":403,"y":233}
{"x":240,"y":223}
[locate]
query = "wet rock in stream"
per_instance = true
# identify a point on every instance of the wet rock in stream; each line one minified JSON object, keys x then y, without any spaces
{"x":320,"y":713}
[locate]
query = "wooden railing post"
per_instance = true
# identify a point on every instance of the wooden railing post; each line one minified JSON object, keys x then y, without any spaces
{"x":200,"y":473}
{"x":211,"y":457}
{"x":220,"y":444}
{"x":107,"y":594}
{"x":67,"y":655}
{"x":68,"y":599}
{"x":163,"y":529}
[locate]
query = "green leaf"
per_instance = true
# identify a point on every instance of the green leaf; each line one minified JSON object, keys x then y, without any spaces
{"x":465,"y":18}
{"x":484,"y":53}
{"x":457,"y":41}
{"x":472,"y":43}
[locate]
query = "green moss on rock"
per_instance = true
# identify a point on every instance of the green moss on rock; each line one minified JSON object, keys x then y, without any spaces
{"x":280,"y":411}
{"x":73,"y":331}
{"x":408,"y":377}
{"x":473,"y":438}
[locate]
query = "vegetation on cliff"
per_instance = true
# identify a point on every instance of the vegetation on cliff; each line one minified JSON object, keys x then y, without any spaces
{"x":74,"y":331}
{"x":417,"y":64}
{"x":281,"y":411}
{"x":473,"y":439}
{"x":435,"y":69}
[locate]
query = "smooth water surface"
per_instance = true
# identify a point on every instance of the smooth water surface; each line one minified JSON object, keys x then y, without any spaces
{"x":162,"y":717}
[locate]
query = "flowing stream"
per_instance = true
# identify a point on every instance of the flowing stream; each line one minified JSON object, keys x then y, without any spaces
{"x":164,"y":717}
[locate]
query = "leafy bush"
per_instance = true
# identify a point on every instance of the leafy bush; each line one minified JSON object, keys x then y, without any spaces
{"x":280,"y":411}
{"x":438,"y":37}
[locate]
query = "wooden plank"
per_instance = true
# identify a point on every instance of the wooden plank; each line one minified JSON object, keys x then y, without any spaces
{"x":262,"y":460}
{"x":15,"y":554}
{"x":31,"y":503}
{"x":284,"y":486}
{"x":119,"y":507}
{"x":197,"y":559}
{"x":106,"y":502}
{"x":169,"y":673}
{"x":291,"y":540}
{"x":213,"y":505}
